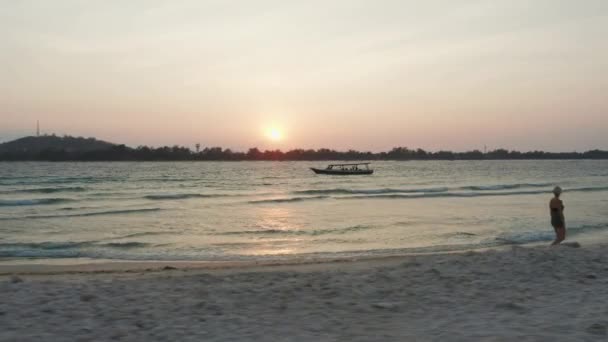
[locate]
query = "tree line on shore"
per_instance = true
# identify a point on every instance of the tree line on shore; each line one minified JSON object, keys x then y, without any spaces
{"x":180,"y":153}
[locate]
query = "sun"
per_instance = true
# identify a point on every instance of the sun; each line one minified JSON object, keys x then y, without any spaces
{"x":274,"y":134}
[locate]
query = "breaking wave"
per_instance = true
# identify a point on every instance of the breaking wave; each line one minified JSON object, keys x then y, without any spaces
{"x":382,"y":191}
{"x":179,"y":196}
{"x":56,"y":180}
{"x":312,"y":232}
{"x":36,"y":201}
{"x":289,"y":199}
{"x":477,"y":194}
{"x":95,"y":213}
{"x":526,"y":237}
{"x":148,"y":234}
{"x":505,"y":186}
{"x":414,"y":195}
{"x":341,"y":191}
{"x":48,"y":190}
{"x":65,"y":249}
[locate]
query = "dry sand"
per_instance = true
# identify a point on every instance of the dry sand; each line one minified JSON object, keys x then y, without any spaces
{"x":525,"y":294}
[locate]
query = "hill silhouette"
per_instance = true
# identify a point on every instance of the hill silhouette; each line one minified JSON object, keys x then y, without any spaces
{"x":68,"y":148}
{"x":32,"y":146}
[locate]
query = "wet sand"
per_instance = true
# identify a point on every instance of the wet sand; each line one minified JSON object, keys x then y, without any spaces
{"x":524,"y":293}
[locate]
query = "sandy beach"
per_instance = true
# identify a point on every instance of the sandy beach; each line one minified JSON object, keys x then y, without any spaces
{"x":523,"y":293}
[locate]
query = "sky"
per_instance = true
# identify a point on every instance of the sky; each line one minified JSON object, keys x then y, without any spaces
{"x":366,"y":75}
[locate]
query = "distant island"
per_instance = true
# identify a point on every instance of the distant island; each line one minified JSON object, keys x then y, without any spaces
{"x":68,"y":148}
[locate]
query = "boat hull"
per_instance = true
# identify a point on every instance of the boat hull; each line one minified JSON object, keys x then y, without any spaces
{"x":341,"y":172}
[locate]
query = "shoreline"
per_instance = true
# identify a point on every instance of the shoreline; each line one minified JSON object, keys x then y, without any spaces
{"x":61,"y":266}
{"x":132,"y":266}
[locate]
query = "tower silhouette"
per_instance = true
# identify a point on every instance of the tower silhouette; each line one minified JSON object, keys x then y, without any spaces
{"x":37,"y":128}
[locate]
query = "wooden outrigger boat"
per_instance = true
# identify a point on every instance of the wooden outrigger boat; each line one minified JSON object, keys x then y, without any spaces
{"x":345,"y":169}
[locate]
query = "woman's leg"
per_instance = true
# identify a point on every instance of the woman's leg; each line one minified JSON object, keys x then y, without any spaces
{"x":560,"y":235}
{"x":555,"y":242}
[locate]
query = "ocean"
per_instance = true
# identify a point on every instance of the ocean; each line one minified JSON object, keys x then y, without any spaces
{"x":216,"y":211}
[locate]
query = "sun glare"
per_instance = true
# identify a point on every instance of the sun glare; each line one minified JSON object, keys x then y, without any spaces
{"x":274,"y":134}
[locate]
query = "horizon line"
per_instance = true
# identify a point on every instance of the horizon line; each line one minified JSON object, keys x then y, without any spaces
{"x":482,"y":150}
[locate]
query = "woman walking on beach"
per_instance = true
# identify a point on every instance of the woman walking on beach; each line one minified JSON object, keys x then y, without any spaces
{"x":556,"y":206}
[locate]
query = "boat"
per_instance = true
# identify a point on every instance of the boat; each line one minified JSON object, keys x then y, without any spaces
{"x":345,"y":169}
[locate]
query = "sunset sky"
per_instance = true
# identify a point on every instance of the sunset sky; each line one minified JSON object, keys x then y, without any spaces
{"x":369,"y":75}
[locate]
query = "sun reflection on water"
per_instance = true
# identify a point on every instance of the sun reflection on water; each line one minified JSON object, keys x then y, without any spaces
{"x":279,"y":221}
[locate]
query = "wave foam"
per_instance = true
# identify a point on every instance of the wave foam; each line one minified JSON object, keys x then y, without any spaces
{"x":289,"y":199}
{"x":313,"y":232}
{"x":356,"y":194}
{"x":96,"y":213}
{"x":36,"y":201}
{"x":62,"y":249}
{"x":382,"y":191}
{"x":341,"y":191}
{"x":179,"y":196}
{"x":53,"y":190}
{"x":504,"y":186}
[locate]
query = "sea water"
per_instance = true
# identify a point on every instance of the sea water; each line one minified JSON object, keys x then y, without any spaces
{"x":279,"y":210}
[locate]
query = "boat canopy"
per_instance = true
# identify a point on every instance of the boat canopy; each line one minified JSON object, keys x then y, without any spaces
{"x":349,"y":164}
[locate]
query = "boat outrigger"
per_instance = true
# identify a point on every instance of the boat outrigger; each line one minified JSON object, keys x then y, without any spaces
{"x":345,"y":169}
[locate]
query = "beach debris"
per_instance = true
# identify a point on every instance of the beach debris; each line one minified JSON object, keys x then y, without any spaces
{"x":167,"y":268}
{"x":118,"y":335}
{"x":87,"y":297}
{"x":511,"y":306}
{"x":15,"y":279}
{"x":412,"y":263}
{"x":386,"y":306}
{"x":435,"y":271}
{"x":597,"y":329}
{"x":210,"y":308}
{"x":573,"y":244}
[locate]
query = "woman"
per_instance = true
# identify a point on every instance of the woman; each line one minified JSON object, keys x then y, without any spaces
{"x":556,"y":206}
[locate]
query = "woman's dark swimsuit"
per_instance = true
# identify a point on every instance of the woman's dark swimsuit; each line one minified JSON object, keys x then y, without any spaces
{"x":556,"y":217}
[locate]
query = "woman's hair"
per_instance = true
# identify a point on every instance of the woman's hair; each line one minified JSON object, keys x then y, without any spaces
{"x":557,"y":191}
